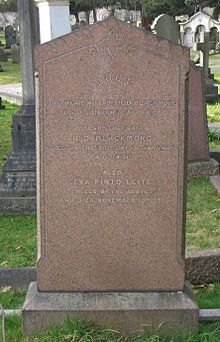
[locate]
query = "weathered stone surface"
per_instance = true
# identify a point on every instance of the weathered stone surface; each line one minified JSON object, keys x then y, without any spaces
{"x":10,"y":36}
{"x":166,"y":27}
{"x":128,"y":313}
{"x":23,"y":183}
{"x":18,"y":205}
{"x":3,"y":55}
{"x":209,"y":314}
{"x":18,"y":180}
{"x":202,"y":169}
{"x":111,"y":133}
{"x":216,"y":182}
{"x":15,"y":54}
{"x":203,"y":267}
{"x":17,"y":278}
{"x":215,"y":154}
{"x":197,"y":121}
{"x":17,"y":191}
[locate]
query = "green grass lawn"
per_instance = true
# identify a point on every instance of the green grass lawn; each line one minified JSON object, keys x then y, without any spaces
{"x":203,"y":215}
{"x":213,"y":110}
{"x":213,"y":57}
{"x":214,"y":145}
{"x":11,"y":74}
{"x":208,"y":296}
{"x":2,"y":37}
{"x":17,"y":240}
{"x":78,"y":331}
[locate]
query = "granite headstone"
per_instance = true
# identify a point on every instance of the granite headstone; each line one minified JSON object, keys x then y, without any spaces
{"x":166,"y":27}
{"x":15,"y":54}
{"x":197,"y":122}
{"x":3,"y":55}
{"x":10,"y":36}
{"x":111,"y":127}
{"x":118,"y":154}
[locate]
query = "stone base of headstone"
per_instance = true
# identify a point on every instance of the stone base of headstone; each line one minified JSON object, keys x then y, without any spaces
{"x":18,"y":179}
{"x":129,"y":313}
{"x":215,"y":154}
{"x":202,"y":169}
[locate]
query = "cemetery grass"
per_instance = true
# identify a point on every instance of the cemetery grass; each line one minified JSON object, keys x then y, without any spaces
{"x":213,"y":112}
{"x":79,"y":331}
{"x":17,"y":240}
{"x":2,"y":37}
{"x":5,"y":130}
{"x":214,"y":145}
{"x":11,"y":74}
{"x":202,"y":216}
{"x":213,"y":57}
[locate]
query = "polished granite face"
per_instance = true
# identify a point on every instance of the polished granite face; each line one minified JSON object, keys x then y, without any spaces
{"x":111,"y":160}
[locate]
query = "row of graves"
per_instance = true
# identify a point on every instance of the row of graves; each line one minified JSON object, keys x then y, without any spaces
{"x":11,"y":47}
{"x":121,"y":117}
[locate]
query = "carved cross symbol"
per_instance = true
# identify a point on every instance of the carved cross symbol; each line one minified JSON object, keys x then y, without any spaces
{"x":112,"y":43}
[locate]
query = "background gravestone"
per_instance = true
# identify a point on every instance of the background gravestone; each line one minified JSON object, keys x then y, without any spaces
{"x":166,"y":27}
{"x":197,"y":132}
{"x":10,"y":36}
{"x":18,"y":179}
{"x":211,"y":90}
{"x":3,"y":55}
{"x":198,"y":154}
{"x":15,"y":54}
{"x":111,"y":171}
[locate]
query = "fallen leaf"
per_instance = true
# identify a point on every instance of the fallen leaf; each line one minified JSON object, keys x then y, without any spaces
{"x":4,"y":263}
{"x":5,"y":289}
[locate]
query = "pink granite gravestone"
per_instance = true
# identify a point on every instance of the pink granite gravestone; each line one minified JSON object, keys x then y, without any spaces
{"x":197,"y":132}
{"x":111,"y":177}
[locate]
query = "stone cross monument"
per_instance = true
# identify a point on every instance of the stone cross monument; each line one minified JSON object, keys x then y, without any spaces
{"x":18,"y":181}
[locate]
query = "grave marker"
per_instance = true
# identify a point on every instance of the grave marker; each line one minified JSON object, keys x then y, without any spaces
{"x":166,"y":27}
{"x":15,"y":54}
{"x":111,"y":171}
{"x":10,"y":36}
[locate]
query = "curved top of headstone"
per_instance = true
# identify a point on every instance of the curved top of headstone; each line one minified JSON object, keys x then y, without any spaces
{"x":9,"y":29}
{"x":112,"y":37}
{"x":166,"y":27}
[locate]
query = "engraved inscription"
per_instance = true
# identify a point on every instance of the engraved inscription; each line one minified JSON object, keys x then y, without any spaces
{"x":115,"y":141}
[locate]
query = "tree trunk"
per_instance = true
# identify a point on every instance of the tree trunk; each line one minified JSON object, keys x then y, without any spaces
{"x":87,"y":17}
{"x":94,"y":11}
{"x":146,"y":22}
{"x":77,"y":17}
